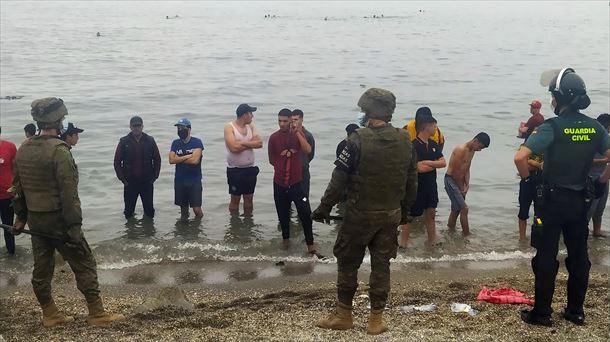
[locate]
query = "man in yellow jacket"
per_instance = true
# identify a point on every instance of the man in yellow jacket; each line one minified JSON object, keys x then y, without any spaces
{"x":422,"y":112}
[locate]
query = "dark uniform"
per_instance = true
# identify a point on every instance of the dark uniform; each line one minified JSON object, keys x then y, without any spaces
{"x":568,"y":142}
{"x":379,"y":171}
{"x":45,"y":190}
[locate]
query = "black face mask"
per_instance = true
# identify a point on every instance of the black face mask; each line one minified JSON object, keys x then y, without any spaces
{"x":183,"y":133}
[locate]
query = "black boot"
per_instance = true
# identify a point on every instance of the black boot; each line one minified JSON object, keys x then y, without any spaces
{"x":578,"y":319}
{"x":530,"y":317}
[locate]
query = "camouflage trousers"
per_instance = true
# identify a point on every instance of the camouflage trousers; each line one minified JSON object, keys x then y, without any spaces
{"x":379,"y":234}
{"x":76,"y":252}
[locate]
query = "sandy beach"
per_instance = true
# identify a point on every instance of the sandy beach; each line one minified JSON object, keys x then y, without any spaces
{"x":286,"y":308}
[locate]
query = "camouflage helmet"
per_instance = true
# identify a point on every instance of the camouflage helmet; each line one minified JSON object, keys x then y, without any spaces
{"x":378,"y":103}
{"x":48,"y":110}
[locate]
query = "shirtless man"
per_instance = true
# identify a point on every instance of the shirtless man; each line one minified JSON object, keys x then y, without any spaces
{"x":457,"y":179}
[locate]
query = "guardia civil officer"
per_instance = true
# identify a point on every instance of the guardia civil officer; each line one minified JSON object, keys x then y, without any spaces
{"x":378,"y":168}
{"x":568,"y":143}
{"x":45,"y":188}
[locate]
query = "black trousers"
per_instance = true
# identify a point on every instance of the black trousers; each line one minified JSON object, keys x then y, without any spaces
{"x":283,"y":197}
{"x":564,"y":211}
{"x":132,"y":190}
{"x":7,"y":216}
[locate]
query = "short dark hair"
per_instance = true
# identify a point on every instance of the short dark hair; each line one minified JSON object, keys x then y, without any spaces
{"x":483,"y":138}
{"x":30,"y":129}
{"x":604,"y":119}
{"x":285,"y":112}
{"x":298,"y":112}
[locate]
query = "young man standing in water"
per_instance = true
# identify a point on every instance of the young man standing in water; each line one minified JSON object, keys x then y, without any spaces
{"x":186,"y":152}
{"x":285,"y":148}
{"x":534,"y":121}
{"x":306,"y":158}
{"x":137,"y":164}
{"x":429,"y":158}
{"x":457,"y":179}
{"x":241,"y":138}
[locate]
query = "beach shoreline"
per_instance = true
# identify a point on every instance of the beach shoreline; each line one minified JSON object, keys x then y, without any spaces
{"x":286,"y":307}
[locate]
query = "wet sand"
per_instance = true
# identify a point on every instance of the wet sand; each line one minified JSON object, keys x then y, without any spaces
{"x":285,"y":308}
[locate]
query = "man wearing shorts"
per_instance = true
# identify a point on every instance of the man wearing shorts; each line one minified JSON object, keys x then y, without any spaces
{"x":429,"y":158}
{"x":241,"y":138}
{"x":186,"y":153}
{"x":457,"y":179}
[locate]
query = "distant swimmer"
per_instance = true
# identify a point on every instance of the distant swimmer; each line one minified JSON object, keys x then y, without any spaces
{"x":98,"y":34}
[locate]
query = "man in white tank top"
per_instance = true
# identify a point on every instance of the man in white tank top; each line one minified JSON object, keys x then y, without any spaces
{"x":241,"y":138}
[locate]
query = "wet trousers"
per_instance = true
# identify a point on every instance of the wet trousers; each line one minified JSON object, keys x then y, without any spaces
{"x":143,"y":189}
{"x":283,"y":197}
{"x":7,"y":215}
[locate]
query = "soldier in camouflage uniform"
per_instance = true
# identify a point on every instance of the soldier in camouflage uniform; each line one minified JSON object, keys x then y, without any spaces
{"x":378,"y":169}
{"x":45,"y":187}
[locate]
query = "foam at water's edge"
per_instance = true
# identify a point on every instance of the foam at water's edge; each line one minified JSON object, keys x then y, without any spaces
{"x":180,"y":257}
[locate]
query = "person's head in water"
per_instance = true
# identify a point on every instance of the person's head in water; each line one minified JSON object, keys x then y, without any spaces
{"x":568,"y":92}
{"x":30,"y":130}
{"x":480,"y":141}
{"x":183,"y":127}
{"x":283,"y":120}
{"x":69,"y":134}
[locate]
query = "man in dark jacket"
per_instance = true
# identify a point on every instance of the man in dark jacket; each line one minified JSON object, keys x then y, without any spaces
{"x":137,"y":164}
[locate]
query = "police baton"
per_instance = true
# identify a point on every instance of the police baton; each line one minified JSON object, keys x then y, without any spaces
{"x":48,"y":236}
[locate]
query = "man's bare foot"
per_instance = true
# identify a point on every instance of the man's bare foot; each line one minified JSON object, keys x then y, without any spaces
{"x":599,"y":235}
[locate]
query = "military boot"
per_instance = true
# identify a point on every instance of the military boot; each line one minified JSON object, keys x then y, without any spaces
{"x":52,"y":317}
{"x":98,"y":316}
{"x":340,"y":319}
{"x":376,"y":323}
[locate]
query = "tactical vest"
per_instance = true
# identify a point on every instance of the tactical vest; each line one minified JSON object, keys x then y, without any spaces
{"x":35,"y":164}
{"x":568,"y":159}
{"x":379,"y":183}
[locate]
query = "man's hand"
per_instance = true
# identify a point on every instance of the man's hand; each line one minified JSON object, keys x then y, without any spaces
{"x":321,"y":214}
{"x":18,"y":227}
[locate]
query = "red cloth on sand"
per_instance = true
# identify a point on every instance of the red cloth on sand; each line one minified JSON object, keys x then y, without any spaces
{"x":503,"y":296}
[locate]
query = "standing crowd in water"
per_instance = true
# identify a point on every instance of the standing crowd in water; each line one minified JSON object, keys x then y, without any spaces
{"x":137,"y":163}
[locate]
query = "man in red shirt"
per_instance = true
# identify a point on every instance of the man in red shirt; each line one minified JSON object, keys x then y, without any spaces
{"x":534,"y":121}
{"x":8,"y":150}
{"x":285,"y":146}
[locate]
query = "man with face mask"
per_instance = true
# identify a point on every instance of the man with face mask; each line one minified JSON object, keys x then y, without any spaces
{"x":568,"y":142}
{"x":137,"y":164}
{"x":186,"y":152}
{"x":45,"y":189}
{"x":378,"y":168}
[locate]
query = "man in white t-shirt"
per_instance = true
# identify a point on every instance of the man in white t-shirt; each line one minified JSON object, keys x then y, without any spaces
{"x":241,"y":138}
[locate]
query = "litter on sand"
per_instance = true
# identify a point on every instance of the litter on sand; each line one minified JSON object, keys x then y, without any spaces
{"x":503,"y":295}
{"x":421,"y":308}
{"x":459,"y":307}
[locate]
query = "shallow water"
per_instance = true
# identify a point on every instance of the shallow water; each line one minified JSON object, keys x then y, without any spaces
{"x":475,"y":64}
